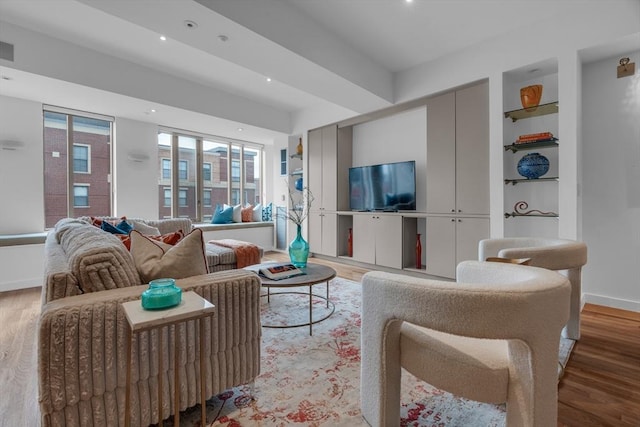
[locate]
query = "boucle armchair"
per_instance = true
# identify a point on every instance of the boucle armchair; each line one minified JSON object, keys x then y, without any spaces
{"x":564,"y":256}
{"x":492,"y":336}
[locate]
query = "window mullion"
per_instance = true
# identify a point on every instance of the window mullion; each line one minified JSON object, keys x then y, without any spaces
{"x":175,"y":176}
{"x":70,"y":175}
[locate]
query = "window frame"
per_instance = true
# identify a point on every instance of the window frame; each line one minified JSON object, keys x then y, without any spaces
{"x":77,"y":186}
{"x":88,"y":159}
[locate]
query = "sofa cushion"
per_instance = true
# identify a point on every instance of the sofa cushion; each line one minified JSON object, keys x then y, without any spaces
{"x":97,"y":259}
{"x":247,"y":213}
{"x":257,"y":213}
{"x":156,"y":260}
{"x":145,"y":229}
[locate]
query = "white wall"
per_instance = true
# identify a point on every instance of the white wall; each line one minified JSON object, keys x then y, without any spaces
{"x":395,"y":138}
{"x":21,"y":183}
{"x":136,"y":182}
{"x":611,"y":183}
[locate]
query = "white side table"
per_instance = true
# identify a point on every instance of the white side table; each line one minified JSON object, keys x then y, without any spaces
{"x":192,"y":307}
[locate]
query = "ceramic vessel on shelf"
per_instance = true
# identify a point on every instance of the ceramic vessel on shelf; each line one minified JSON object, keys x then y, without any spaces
{"x":299,"y":147}
{"x":533,"y":165}
{"x":162,"y":293}
{"x":299,"y":249}
{"x":530,"y":96}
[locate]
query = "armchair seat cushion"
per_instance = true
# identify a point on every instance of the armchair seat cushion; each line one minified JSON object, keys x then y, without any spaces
{"x":450,"y":360}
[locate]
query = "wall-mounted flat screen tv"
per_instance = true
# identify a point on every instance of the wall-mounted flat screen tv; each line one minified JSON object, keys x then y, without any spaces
{"x":387,"y":187}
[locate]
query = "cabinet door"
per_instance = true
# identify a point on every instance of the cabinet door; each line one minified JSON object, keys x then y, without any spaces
{"x":440,"y":246}
{"x":314,"y":175}
{"x":388,"y":235}
{"x":441,"y":154}
{"x":469,"y":232}
{"x":472,"y":150}
{"x":364,"y":242}
{"x":328,"y":196}
{"x":314,"y":223}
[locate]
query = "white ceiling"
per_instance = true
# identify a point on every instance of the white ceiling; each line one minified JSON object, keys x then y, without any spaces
{"x":320,"y":53}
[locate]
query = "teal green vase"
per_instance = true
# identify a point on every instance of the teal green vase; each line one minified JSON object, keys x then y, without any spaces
{"x":299,"y":250}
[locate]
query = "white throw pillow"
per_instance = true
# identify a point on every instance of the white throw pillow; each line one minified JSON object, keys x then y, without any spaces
{"x":257,"y":213}
{"x":145,"y":229}
{"x":237,"y":212}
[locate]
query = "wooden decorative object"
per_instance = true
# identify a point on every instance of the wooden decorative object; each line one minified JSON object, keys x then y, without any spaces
{"x":530,"y":96}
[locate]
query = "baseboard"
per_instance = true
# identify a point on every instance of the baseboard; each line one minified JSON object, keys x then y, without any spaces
{"x":20,"y":284}
{"x":621,"y":304}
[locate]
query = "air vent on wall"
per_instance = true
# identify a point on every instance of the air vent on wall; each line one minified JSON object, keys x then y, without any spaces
{"x":6,"y":51}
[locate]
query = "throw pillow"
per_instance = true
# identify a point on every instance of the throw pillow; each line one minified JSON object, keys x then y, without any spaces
{"x":222,"y":215}
{"x":157,"y":260}
{"x":123,"y":225}
{"x":257,"y":213}
{"x":247,"y":214}
{"x":169,"y":238}
{"x":110,"y":228}
{"x":267,"y":212}
{"x":237,"y":212}
{"x":145,"y":229}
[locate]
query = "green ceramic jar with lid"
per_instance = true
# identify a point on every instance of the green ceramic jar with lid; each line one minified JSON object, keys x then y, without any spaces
{"x":162,"y":293}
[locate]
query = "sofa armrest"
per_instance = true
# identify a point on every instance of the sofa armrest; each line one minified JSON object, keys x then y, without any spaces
{"x":82,"y":344}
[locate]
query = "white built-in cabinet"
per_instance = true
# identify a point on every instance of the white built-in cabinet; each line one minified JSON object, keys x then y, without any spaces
{"x":329,"y":154}
{"x":377,"y":239}
{"x":458,"y":152}
{"x":451,"y":240}
{"x":457,"y":178}
{"x":457,"y":192}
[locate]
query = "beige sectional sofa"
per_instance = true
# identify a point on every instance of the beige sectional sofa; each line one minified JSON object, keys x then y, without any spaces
{"x":82,"y":335}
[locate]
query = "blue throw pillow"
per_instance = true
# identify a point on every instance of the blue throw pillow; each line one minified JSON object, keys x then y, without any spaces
{"x":124,"y":226}
{"x":222,"y":215}
{"x":110,"y":228}
{"x":267,"y":212}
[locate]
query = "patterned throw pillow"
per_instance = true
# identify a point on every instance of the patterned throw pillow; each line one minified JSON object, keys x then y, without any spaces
{"x":156,"y":260}
{"x":169,"y":238}
{"x":267,"y":214}
{"x":247,"y":213}
{"x":222,"y":215}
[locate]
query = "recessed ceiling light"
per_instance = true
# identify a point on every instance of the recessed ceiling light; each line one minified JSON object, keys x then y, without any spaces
{"x":409,"y":1}
{"x":223,"y":38}
{"x":240,"y":129}
{"x":153,"y":110}
{"x":192,"y":25}
{"x":268,"y":79}
{"x":163,"y":38}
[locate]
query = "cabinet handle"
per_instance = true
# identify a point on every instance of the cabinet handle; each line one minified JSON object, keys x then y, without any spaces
{"x":453,"y":220}
{"x":459,"y":220}
{"x":453,"y":210}
{"x":460,"y":210}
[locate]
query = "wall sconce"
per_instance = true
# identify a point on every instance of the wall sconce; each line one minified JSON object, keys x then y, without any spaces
{"x":138,"y":157}
{"x":11,"y":145}
{"x":626,"y":69}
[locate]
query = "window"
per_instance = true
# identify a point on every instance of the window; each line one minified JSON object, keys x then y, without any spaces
{"x":80,"y":196}
{"x":206,"y":171}
{"x":77,"y":156}
{"x":182,"y":198}
{"x":235,"y":170}
{"x":210,"y":171}
{"x":182,"y":169}
{"x":283,"y":161}
{"x":80,"y":158}
{"x":166,"y":169}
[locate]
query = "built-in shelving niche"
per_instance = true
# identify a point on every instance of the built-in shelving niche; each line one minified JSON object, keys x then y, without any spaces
{"x":541,"y":194}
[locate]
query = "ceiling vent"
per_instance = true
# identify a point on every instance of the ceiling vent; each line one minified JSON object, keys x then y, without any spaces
{"x":6,"y":51}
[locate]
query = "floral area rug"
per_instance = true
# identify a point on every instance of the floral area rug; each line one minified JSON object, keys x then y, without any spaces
{"x":314,"y":381}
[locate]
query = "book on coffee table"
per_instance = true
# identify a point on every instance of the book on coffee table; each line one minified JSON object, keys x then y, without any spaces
{"x":281,"y":271}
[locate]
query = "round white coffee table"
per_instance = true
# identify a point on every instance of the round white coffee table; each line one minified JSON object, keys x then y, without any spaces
{"x":314,"y":274}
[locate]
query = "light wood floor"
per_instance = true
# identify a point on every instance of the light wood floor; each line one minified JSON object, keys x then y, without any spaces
{"x":601,"y":385}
